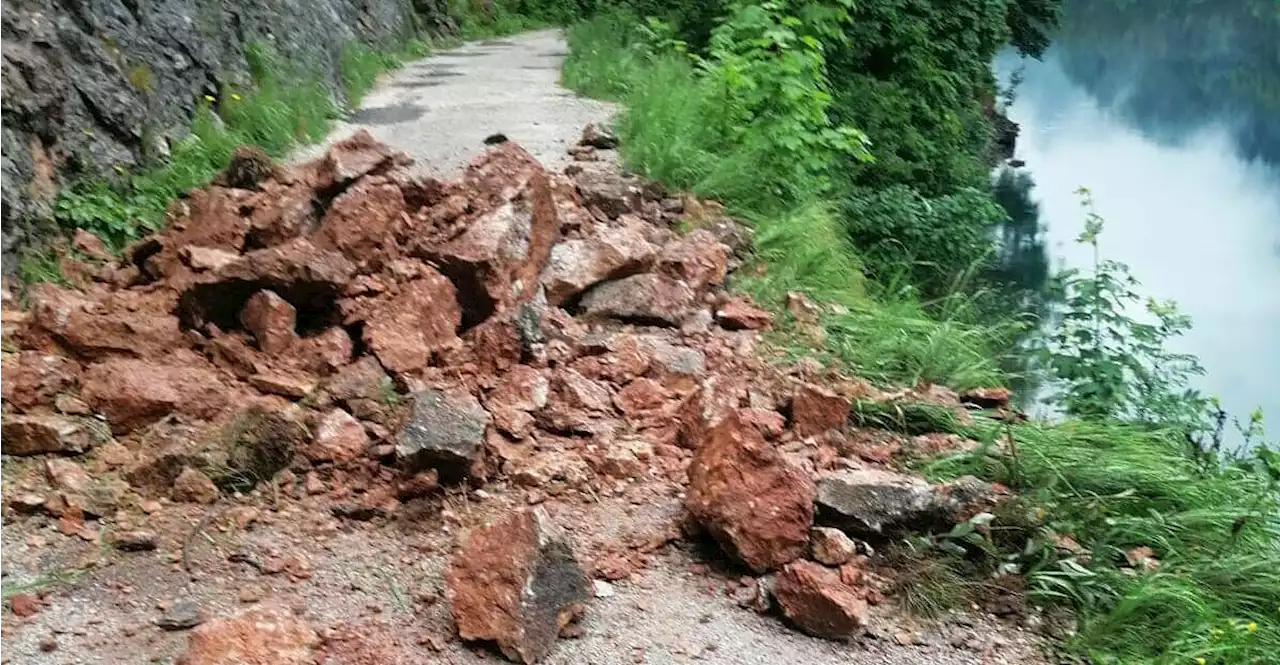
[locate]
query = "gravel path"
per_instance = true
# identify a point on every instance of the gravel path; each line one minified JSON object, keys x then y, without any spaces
{"x":440,"y":109}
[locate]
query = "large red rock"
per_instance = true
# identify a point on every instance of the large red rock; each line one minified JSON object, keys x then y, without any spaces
{"x":756,"y":504}
{"x":132,"y":393}
{"x":325,"y":352}
{"x":271,"y":319}
{"x":649,"y":299}
{"x":579,"y":264}
{"x":819,"y":602}
{"x":131,"y":324}
{"x":266,"y":634}
{"x":522,"y":391}
{"x":209,"y":218}
{"x":814,"y":410}
{"x":33,"y":379}
{"x":280,"y":212}
{"x":604,"y":188}
{"x":37,"y":434}
{"x":359,"y":223}
{"x":517,"y":582}
{"x":496,"y":260}
{"x":403,"y":331}
{"x":697,"y":259}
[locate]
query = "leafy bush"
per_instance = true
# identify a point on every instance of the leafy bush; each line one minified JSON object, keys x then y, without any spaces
{"x":1110,"y":365}
{"x":931,"y":242}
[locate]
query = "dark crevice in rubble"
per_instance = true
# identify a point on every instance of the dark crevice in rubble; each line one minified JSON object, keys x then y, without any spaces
{"x":219,"y":304}
{"x":473,"y":298}
{"x":356,"y":332}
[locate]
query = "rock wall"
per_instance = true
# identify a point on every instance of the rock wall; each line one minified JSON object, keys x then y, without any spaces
{"x":88,"y":82}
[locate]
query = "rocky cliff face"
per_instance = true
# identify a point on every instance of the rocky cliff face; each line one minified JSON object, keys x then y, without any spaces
{"x":91,"y":84}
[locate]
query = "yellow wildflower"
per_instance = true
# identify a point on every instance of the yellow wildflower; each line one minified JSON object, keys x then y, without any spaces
{"x":1252,"y":626}
{"x":1201,"y":661}
{"x":235,"y":96}
{"x":209,"y":98}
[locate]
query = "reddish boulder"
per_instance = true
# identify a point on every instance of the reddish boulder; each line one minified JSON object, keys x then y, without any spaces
{"x":986,"y":398}
{"x":640,"y":396}
{"x":579,"y":392}
{"x":495,"y":345}
{"x":755,"y":503}
{"x":814,"y":410}
{"x":421,"y":319}
{"x":204,"y":259}
{"x":37,"y":434}
{"x":608,"y":190}
{"x":496,"y":260}
{"x":271,"y":319}
{"x":522,"y":391}
{"x":132,"y":393}
{"x":360,"y":222}
{"x":819,"y":602}
{"x":34,"y":379}
{"x":90,"y":245}
{"x":739,"y":314}
{"x":127,"y":324}
{"x":831,"y":547}
{"x":266,"y":634}
{"x":285,"y":382}
{"x":325,"y":352}
{"x":363,"y":379}
{"x":518,"y":583}
{"x":697,"y":259}
{"x":875,"y":502}
{"x":280,"y":212}
{"x":578,"y":264}
{"x":338,"y":438}
{"x":648,"y":299}
{"x":208,"y":217}
{"x":24,"y":605}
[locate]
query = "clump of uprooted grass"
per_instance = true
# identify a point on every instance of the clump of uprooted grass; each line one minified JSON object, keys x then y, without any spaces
{"x":671,"y":130}
{"x":1213,"y":528}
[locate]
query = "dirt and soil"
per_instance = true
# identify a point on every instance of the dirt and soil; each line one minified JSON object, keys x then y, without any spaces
{"x":342,"y":413}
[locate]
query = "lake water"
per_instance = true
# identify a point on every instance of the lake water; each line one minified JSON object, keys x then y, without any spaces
{"x":1194,"y":221}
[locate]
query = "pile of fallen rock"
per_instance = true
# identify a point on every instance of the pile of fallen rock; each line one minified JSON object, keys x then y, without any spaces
{"x":366,"y":332}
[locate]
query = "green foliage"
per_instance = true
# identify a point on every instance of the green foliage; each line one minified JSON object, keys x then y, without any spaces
{"x":766,"y":68}
{"x":35,"y":266}
{"x":1108,"y":364}
{"x":930,"y":242}
{"x":359,"y":67}
{"x":1214,"y":530}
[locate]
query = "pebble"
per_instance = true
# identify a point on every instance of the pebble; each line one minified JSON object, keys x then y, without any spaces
{"x":48,"y":644}
{"x":603,"y":589}
{"x":184,"y":613}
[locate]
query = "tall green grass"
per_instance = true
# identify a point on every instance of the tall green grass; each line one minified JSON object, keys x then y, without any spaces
{"x":671,"y":130}
{"x":1214,"y":528}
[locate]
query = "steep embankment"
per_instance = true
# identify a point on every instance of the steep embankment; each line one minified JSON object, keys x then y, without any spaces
{"x":91,"y":85}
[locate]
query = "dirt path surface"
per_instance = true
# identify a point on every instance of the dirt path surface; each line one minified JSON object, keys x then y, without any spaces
{"x":440,"y":109}
{"x":295,"y":340}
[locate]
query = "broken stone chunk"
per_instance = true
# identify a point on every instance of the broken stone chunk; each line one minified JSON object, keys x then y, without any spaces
{"x":818,"y":602}
{"x":518,"y":583}
{"x":874,"y":502}
{"x":35,"y":435}
{"x":814,"y":410}
{"x":755,"y":503}
{"x":266,"y":634}
{"x":647,"y":299}
{"x":271,"y":320}
{"x":444,"y":431}
{"x":576,"y":265}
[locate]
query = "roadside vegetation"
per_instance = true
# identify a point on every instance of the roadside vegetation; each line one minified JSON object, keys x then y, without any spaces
{"x":867,"y":184}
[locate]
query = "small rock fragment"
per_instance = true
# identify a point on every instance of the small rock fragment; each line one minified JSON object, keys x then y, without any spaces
{"x":831,"y":547}
{"x":265,"y":634}
{"x":818,"y":602}
{"x":183,"y":614}
{"x":442,"y":431}
{"x":192,"y":486}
